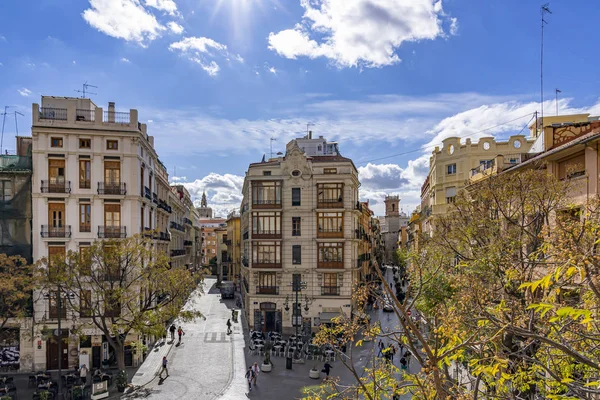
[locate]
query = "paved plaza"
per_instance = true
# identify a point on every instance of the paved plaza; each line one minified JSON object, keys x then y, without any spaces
{"x":210,"y":364}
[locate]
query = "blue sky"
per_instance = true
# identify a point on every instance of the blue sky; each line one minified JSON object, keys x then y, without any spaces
{"x":215,"y":79}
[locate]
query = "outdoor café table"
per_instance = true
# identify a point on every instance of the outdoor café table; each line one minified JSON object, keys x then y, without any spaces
{"x":259,"y":346}
{"x":293,"y":337}
{"x":259,"y":341}
{"x":329,"y":352}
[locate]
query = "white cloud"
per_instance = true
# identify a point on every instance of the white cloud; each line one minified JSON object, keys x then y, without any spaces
{"x":198,"y":49}
{"x":123,"y":19}
{"x":453,"y":26}
{"x":223,"y":192}
{"x":211,"y":68}
{"x":125,"y":60}
{"x":359,"y":33}
{"x":167,"y":6}
{"x":239,"y":58}
{"x":272,"y":70}
{"x":175,"y":27}
{"x":24,"y":92}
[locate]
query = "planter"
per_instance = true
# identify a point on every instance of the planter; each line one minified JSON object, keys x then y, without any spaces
{"x":314,"y":374}
{"x":99,"y":396}
{"x":266,"y":367}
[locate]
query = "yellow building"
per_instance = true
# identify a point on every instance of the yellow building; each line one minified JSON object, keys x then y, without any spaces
{"x":234,"y":259}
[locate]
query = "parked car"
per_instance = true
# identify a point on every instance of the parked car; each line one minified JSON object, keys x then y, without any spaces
{"x":387,"y":307}
{"x":227,"y":289}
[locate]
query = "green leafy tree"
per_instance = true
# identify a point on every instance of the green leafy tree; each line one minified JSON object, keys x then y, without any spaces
{"x":120,"y":287}
{"x":15,"y":289}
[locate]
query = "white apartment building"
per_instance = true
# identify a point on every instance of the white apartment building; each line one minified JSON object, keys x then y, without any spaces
{"x":299,"y":216}
{"x":94,"y":177}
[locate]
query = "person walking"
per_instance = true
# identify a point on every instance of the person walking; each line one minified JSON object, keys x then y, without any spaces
{"x":381,"y":346}
{"x":403,"y":364}
{"x":180,"y":333}
{"x":83,"y":375}
{"x":393,"y":351}
{"x":326,"y":368}
{"x":407,"y":355}
{"x":165,"y":362}
{"x":249,"y":377}
{"x":172,"y":329}
{"x":228,"y":327}
{"x":255,"y":371}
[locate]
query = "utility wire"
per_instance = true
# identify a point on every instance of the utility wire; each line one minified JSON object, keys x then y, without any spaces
{"x":462,"y":137}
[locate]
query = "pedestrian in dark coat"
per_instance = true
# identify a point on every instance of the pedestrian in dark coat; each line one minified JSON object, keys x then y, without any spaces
{"x":326,"y":368}
{"x":172,"y":329}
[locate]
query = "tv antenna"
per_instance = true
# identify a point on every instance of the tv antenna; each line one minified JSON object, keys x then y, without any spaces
{"x":85,"y":89}
{"x":544,"y":9}
{"x":557,"y":91}
{"x":307,"y":125}
{"x":4,"y":114}
{"x":272,"y":140}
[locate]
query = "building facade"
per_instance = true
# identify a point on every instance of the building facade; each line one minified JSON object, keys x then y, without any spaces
{"x":299,"y":218}
{"x":233,"y":242}
{"x":94,"y":178}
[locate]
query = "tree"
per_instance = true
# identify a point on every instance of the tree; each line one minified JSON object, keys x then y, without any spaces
{"x":120,"y":287}
{"x":508,"y":288}
{"x":15,"y":289}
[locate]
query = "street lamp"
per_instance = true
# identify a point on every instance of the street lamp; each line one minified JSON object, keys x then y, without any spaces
{"x":297,"y":286}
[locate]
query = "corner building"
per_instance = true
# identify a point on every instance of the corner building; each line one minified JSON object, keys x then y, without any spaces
{"x":299,"y":216}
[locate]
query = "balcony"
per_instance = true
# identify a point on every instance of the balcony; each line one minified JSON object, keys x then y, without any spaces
{"x":264,"y":234}
{"x":187,"y":221}
{"x":112,"y":232}
{"x":83,"y":184}
{"x":177,"y":227}
{"x":163,"y":205}
{"x":154,"y":198}
{"x":330,"y":264}
{"x":55,"y":114}
{"x":330,"y":233}
{"x":266,"y":264}
{"x":330,"y":290}
{"x":112,"y":188}
{"x":164,"y":236}
{"x":188,"y":243}
{"x":116,"y":117}
{"x":147,"y":232}
{"x":256,"y":203}
{"x":147,"y":193}
{"x":267,"y":290}
{"x":56,"y":231}
{"x":56,"y":187}
{"x":178,"y":253}
{"x":85,"y":115}
{"x":330,"y":203}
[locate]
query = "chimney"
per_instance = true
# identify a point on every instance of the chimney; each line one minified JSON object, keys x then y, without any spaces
{"x":310,"y":134}
{"x":111,"y":111}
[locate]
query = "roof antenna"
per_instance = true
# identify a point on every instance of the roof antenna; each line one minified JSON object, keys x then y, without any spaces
{"x":543,"y":10}
{"x":272,"y":139}
{"x":85,"y":90}
{"x":4,"y":114}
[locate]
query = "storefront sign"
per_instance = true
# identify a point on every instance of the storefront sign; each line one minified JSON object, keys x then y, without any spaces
{"x":96,"y":340}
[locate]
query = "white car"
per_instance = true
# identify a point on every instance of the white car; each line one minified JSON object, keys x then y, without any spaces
{"x":387,"y":307}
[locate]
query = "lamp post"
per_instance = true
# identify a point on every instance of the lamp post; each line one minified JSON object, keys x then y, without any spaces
{"x":297,"y":286}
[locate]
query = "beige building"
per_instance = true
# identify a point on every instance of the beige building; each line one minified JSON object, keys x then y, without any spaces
{"x":452,"y":166}
{"x":299,"y":216}
{"x":232,"y":265}
{"x":94,"y":178}
{"x":184,"y":228}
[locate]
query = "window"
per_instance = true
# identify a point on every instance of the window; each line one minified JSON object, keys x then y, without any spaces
{"x":450,"y":194}
{"x":85,"y":261}
{"x":85,"y":143}
{"x":56,"y":172}
{"x":513,"y":160}
{"x":85,"y":217}
{"x":266,"y":173}
{"x":296,"y":254}
{"x":330,"y":255}
{"x":266,"y":223}
{"x":53,"y":305}
{"x":296,"y":197}
{"x":112,"y":215}
{"x":486,"y":164}
{"x":266,"y":254}
{"x":330,"y":224}
{"x":267,"y":283}
{"x":330,"y":195}
{"x":330,"y":170}
{"x":6,"y":190}
{"x":112,"y":172}
{"x":112,"y":304}
{"x":266,"y":194}
{"x":56,"y":142}
{"x":572,"y":167}
{"x":296,"y":172}
{"x":84,"y":174}
{"x":214,"y":251}
{"x":296,"y":224}
{"x":85,"y":303}
{"x":112,"y":145}
{"x":150,"y":218}
{"x":451,"y":169}
{"x":330,"y":284}
{"x":143,"y":227}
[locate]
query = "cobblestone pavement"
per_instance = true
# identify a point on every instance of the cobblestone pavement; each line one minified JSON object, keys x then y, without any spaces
{"x":209,"y":364}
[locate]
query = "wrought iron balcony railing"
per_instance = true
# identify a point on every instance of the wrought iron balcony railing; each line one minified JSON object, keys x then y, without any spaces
{"x":52,"y":186}
{"x":56,"y":114}
{"x":330,"y":290}
{"x":267,"y":290}
{"x":49,"y":231}
{"x":116,"y":188}
{"x":112,"y":232}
